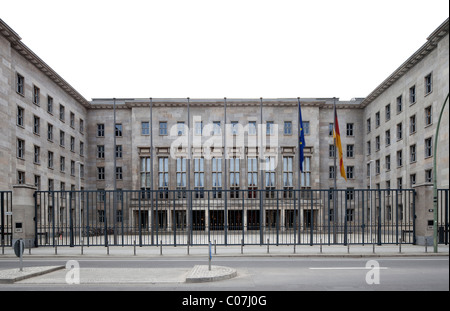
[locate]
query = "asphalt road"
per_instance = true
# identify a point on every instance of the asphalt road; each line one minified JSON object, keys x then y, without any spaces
{"x":258,"y":274}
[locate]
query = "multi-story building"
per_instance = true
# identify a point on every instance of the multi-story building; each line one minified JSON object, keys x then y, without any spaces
{"x":55,"y":139}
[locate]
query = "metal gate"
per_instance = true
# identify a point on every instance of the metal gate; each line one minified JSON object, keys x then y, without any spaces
{"x":5,"y":218}
{"x":443,"y":216}
{"x":226,"y":217}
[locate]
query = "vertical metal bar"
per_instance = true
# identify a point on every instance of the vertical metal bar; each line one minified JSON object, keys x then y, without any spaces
{"x":379,"y":215}
{"x":414,"y":216}
{"x":396,"y":218}
{"x":311,"y":219}
{"x":335,"y":218}
{"x":277,"y":219}
{"x":225,"y":165}
{"x":174,"y":222}
{"x":345,"y":218}
{"x":446,"y":216}
{"x":139,"y":219}
{"x":261,"y":160}
{"x":151,"y":171}
{"x":363,"y":226}
{"x":36,"y":219}
{"x":70,"y":219}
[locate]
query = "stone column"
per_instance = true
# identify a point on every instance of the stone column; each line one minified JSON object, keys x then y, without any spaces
{"x":424,"y":213}
{"x":23,"y":214}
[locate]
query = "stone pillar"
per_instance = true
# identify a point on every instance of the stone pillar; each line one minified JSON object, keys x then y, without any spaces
{"x":23,"y":217}
{"x":424,"y":213}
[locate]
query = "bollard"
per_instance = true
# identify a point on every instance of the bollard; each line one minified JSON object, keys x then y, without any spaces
{"x":321,"y":246}
{"x":160,"y":248}
{"x":242,"y":246}
{"x":215,"y":247}
{"x":426,"y":245}
{"x":29,"y":249}
{"x":348,"y":248}
{"x":209,"y":261}
{"x":188,"y":248}
{"x":373,"y":248}
{"x":3,"y":248}
{"x":267,"y":246}
{"x":400,"y":246}
{"x":294,"y":247}
{"x":134,"y":247}
{"x":56,"y":248}
{"x":82,"y":247}
{"x":107,"y":250}
{"x":21,"y":255}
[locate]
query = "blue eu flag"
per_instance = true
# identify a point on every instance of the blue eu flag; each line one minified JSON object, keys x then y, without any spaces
{"x":301,"y":137}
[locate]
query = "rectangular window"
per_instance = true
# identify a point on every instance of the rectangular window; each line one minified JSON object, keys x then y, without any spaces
{"x":20,"y":86}
{"x":180,"y":128}
{"x":118,"y":130}
{"x":330,"y":129}
{"x":350,"y":151}
{"x":81,"y":126}
{"x":412,"y":153}
{"x":50,"y":104}
{"x":62,"y":164}
{"x":37,"y":155}
{"x":51,"y":184}
{"x":20,"y":116}
{"x":118,"y":151}
{"x":399,"y":104}
{"x":50,"y":159}
{"x":100,"y":151}
{"x":306,"y":129}
{"x":331,"y":151}
{"x":399,"y":131}
{"x":412,"y":95}
{"x":428,"y":84}
{"x":305,"y":176}
{"x":72,"y":120}
{"x":198,"y":128}
{"x":37,"y":182}
{"x":369,"y":147}
{"x":72,"y":143}
{"x":101,"y":130}
{"x":62,"y":112}
{"x":252,"y":177}
{"x":368,"y":125}
{"x":377,"y":167}
{"x":145,"y":173}
{"x":20,"y":177}
{"x":429,"y":175}
{"x":36,"y":95}
{"x":252,"y":128}
{"x":388,"y":112}
{"x":388,"y":162}
{"x":72,"y":167}
{"x":181,"y":175}
{"x":145,"y":128}
{"x":234,"y":177}
{"x":50,"y":132}
{"x":377,"y":143}
{"x":81,"y":148}
{"x":62,"y":138}
{"x":234,"y":127}
{"x":399,"y":183}
{"x":377,"y":119}
{"x":20,"y":148}
{"x":216,"y":128}
{"x":428,"y":116}
{"x":217,"y":177}
{"x":288,"y":175}
{"x":288,"y":128}
{"x":199,"y":177}
{"x":331,"y":172}
{"x":269,"y":128}
{"x":100,"y":173}
{"x":162,"y":128}
{"x":163,"y":176}
{"x":412,"y":179}
{"x":119,"y":175}
{"x":350,"y":172}
{"x":399,"y":158}
{"x":270,"y":177}
{"x":350,"y":129}
{"x":388,"y":137}
{"x":412,"y":124}
{"x":349,"y":194}
{"x":428,"y":147}
{"x":36,"y":125}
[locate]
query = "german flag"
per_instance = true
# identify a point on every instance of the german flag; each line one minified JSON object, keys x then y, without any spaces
{"x":337,"y":137}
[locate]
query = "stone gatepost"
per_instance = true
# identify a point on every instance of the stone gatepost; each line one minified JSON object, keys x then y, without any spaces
{"x":23,"y":214}
{"x":424,"y":213}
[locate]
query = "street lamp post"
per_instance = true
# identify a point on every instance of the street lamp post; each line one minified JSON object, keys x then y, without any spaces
{"x":79,"y":197}
{"x":370,"y":198}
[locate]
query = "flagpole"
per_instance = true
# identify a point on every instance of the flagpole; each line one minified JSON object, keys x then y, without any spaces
{"x":225,"y":166}
{"x":114,"y":176}
{"x":189,"y":171}
{"x":335,"y":193}
{"x":299,"y":163}
{"x":151,"y":167}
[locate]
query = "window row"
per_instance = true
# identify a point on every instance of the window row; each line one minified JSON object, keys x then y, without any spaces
{"x":428,"y":146}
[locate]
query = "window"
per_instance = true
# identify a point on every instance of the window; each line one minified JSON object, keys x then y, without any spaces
{"x":37,"y":182}
{"x":350,"y":172}
{"x":288,"y":175}
{"x":81,"y":148}
{"x":50,"y":159}
{"x":81,"y":126}
{"x":331,"y":172}
{"x":412,"y":179}
{"x":20,"y":177}
{"x":368,"y":125}
{"x":145,"y":174}
{"x":163,"y":176}
{"x":62,"y":164}
{"x":72,"y":119}
{"x":377,"y":119}
{"x":101,"y":130}
{"x":350,"y":151}
{"x":199,"y":177}
{"x":37,"y":154}
{"x":388,"y":137}
{"x":369,"y":148}
{"x":36,"y":125}
{"x":412,"y":95}
{"x":234,"y":127}
{"x":428,"y":116}
{"x":100,"y":151}
{"x":399,"y":131}
{"x":62,"y":113}
{"x":377,"y":167}
{"x":234,"y":177}
{"x":429,"y":175}
{"x":180,"y":128}
{"x":269,"y":128}
{"x":349,"y":129}
{"x":388,"y":162}
{"x":198,"y":128}
{"x":20,"y":116}
{"x":388,"y":112}
{"x":216,"y":128}
{"x":252,"y":128}
{"x":399,"y":104}
{"x":252,"y":177}
{"x":428,"y":84}
{"x":100,"y":173}
{"x":20,"y":148}
{"x":217,"y":177}
{"x":399,"y":158}
{"x":330,"y":129}
{"x":412,"y":124}
{"x":72,"y":167}
{"x":119,"y":175}
{"x":181,"y":175}
{"x":50,"y":104}
{"x":20,"y":86}
{"x":428,"y":147}
{"x":162,"y":128}
{"x":399,"y":183}
{"x":51,"y":184}
{"x":270,"y":177}
{"x":36,"y":95}
{"x":377,"y":143}
{"x":145,"y":128}
{"x":412,"y":153}
{"x":306,"y":130}
{"x":118,"y":151}
{"x":118,"y":130}
{"x":331,"y":151}
{"x":62,"y":139}
{"x":50,"y":132}
{"x":305,"y":176}
{"x":288,"y":128}
{"x":349,"y":194}
{"x":72,"y":143}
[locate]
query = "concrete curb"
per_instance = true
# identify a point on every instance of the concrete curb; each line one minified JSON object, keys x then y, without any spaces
{"x":201,"y":273}
{"x":13,"y":275}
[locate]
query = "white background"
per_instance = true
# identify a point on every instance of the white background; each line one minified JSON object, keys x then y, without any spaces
{"x":217,"y":48}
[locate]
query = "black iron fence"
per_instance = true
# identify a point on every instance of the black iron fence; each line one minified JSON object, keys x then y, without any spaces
{"x":443,"y":216}
{"x":6,"y":218}
{"x":226,"y":217}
